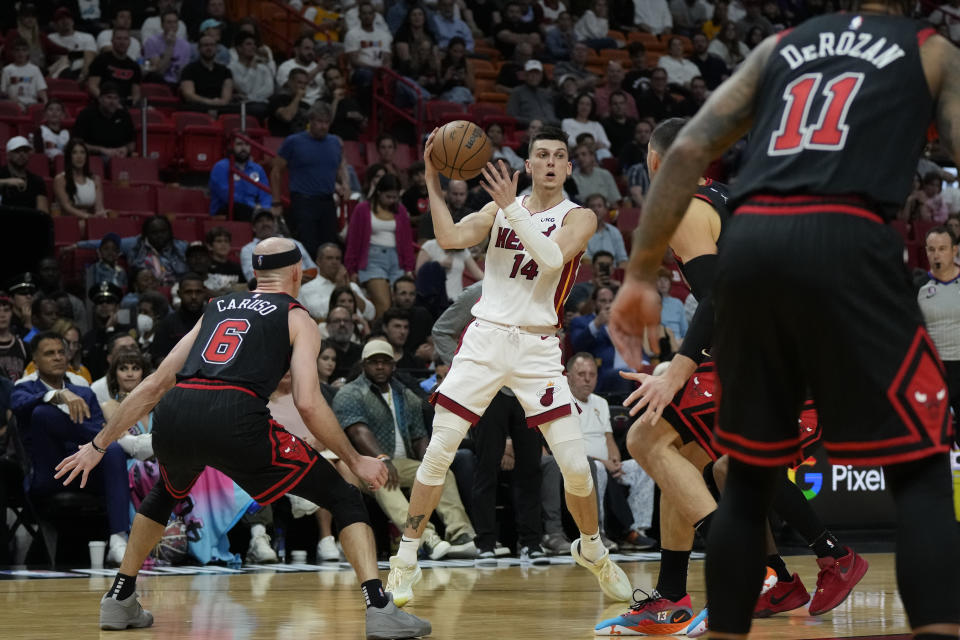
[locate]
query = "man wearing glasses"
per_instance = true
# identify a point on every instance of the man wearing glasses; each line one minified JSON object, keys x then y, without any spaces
{"x":19,"y":187}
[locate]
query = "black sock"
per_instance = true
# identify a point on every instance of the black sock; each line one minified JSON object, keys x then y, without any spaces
{"x":703,"y":525}
{"x":827,"y":544}
{"x":373,"y":593}
{"x":123,"y":586}
{"x":775,"y":562}
{"x":672,"y":581}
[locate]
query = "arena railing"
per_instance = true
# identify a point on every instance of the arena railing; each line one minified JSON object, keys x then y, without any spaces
{"x":384,"y":102}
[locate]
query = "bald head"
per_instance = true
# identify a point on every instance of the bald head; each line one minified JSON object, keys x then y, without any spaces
{"x":280,"y":279}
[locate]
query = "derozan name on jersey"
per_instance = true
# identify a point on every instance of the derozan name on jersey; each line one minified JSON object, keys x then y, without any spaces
{"x":263,"y":307}
{"x":850,"y":43}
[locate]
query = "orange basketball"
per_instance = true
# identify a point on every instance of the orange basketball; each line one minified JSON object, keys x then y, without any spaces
{"x":461,"y":150}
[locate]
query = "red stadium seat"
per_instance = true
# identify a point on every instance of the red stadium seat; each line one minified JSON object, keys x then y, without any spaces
{"x":176,"y":200}
{"x":135,"y":171}
{"x":186,"y":229}
{"x":161,"y":144}
{"x":73,"y":101}
{"x":628,"y":218}
{"x":62,"y":85}
{"x":159,"y":95}
{"x":154,"y":116}
{"x":40,"y":164}
{"x":240,"y":232}
{"x":202,"y":147}
{"x":99,"y":227}
{"x":231,"y":122}
{"x":585,"y":274}
{"x":66,"y":230}
{"x":11,"y":114}
{"x":444,"y":110}
{"x":130,"y":199}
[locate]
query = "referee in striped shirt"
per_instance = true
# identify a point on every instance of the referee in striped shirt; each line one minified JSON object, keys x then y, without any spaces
{"x":939,"y":299}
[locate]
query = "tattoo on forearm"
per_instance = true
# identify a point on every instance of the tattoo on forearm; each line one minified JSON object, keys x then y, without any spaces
{"x":413,"y":522}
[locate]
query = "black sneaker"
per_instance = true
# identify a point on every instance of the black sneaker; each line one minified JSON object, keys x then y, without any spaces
{"x":533,"y":556}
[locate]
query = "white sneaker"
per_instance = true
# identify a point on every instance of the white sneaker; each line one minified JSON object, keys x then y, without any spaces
{"x":401,"y":579}
{"x":260,"y":550}
{"x":117,"y":546}
{"x":613,"y":581}
{"x":437,"y":546}
{"x":327,"y":550}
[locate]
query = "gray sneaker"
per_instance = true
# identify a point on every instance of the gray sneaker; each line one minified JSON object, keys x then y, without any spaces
{"x":486,"y":559}
{"x":534,"y":556}
{"x":117,"y":615}
{"x":555,"y":544}
{"x":391,"y":622}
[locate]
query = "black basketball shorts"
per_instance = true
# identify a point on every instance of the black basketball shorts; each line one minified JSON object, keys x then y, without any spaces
{"x":201,"y":423}
{"x":813,"y":294}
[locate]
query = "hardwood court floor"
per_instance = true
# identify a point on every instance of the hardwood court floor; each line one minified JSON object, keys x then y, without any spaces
{"x":556,"y":603}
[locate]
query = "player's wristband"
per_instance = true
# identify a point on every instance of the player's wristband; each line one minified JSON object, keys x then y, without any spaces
{"x":384,"y":457}
{"x":94,"y":445}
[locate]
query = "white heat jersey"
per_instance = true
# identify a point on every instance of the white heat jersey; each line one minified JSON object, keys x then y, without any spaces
{"x":516,"y":290}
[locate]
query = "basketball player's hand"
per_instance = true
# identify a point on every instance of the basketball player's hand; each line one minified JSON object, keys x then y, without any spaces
{"x":499,"y":184}
{"x":654,"y":393}
{"x":429,"y":169}
{"x":636,"y":306}
{"x":82,"y":462}
{"x":371,"y":471}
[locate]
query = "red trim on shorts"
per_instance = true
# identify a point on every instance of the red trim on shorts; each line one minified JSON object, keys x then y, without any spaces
{"x":179,"y":495}
{"x":756,"y":460}
{"x":208,"y":384}
{"x":924,"y":34}
{"x":893,"y":458}
{"x":753,"y":444}
{"x":698,"y":196}
{"x":549,"y":416}
{"x":454,"y":407}
{"x":798,"y":210}
{"x":783,"y":34}
{"x":289,"y":481}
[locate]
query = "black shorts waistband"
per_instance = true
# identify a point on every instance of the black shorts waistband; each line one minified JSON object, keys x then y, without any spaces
{"x":208,"y":384}
{"x":795,"y":205}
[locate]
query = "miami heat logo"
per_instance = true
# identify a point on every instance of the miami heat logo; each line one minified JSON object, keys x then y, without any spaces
{"x":546,"y":396}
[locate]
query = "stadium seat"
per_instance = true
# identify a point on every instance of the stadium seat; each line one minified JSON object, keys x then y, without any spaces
{"x":494,"y":97}
{"x":159,"y":95}
{"x":7,"y":130}
{"x":135,"y":171}
{"x":99,"y":227}
{"x":507,"y":123}
{"x":444,"y":110}
{"x":62,"y":85}
{"x":482,"y":68}
{"x":73,"y":101}
{"x":130,"y":199}
{"x":40,"y":164}
{"x":161,"y":144}
{"x":154,"y":116}
{"x":240,"y":232}
{"x":96,"y":165}
{"x":355,"y":154}
{"x":650,"y":41}
{"x":202,"y":147}
{"x":182,"y":201}
{"x":11,"y":114}
{"x":611,"y":165}
{"x":621,"y":55}
{"x":186,"y":229}
{"x":585,"y":274}
{"x":490,"y":53}
{"x":920,"y":230}
{"x":66,"y":231}
{"x":231,"y":122}
{"x":479,"y":110}
{"x":628,"y":218}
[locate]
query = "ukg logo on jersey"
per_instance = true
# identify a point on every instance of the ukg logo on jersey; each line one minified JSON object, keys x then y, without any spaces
{"x":810,"y":482}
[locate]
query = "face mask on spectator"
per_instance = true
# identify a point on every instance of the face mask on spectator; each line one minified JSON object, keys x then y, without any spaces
{"x":144,"y":324}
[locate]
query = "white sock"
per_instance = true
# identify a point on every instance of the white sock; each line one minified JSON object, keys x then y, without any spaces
{"x":117,"y":539}
{"x":257,"y":530}
{"x":408,"y":550}
{"x":591,"y":546}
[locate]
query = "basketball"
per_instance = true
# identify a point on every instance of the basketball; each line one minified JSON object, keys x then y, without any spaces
{"x":460,"y":150}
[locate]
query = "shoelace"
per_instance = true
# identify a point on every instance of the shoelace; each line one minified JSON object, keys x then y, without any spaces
{"x":822,"y":576}
{"x":650,"y":598}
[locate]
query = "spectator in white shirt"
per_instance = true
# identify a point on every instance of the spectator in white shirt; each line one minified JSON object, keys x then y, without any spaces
{"x":454,"y":263}
{"x":585,"y":122}
{"x":652,"y":16}
{"x":351,"y":17}
{"x":501,"y":151}
{"x":81,"y":47}
{"x":367,"y":46}
{"x":315,"y":295}
{"x":304,"y":58}
{"x":51,"y":135}
{"x":153,"y":26}
{"x":679,"y":70}
{"x":22,"y":81}
{"x":252,"y":79}
{"x":122,"y":19}
{"x":728,"y":47}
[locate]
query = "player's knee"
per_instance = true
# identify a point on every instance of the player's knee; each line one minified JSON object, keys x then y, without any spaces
{"x":439,"y":455}
{"x":158,"y":505}
{"x":347,"y":505}
{"x":575,"y":467}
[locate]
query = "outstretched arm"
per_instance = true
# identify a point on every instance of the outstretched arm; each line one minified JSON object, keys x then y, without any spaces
{"x":472,"y":229}
{"x":139,"y":403}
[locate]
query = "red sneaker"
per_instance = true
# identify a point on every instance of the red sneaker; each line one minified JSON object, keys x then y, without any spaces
{"x":785,"y":596}
{"x":837,"y":578}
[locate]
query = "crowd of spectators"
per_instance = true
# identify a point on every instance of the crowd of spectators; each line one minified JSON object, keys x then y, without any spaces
{"x":377,"y":283}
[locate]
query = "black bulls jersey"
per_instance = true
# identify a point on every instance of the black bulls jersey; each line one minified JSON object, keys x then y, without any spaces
{"x":842,"y":108}
{"x":244,"y":339}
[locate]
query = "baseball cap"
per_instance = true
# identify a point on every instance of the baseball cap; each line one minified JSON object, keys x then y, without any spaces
{"x":377,"y":348}
{"x":62,"y":12}
{"x":209,"y":23}
{"x":564,"y":78}
{"x":17,"y":142}
{"x":262,"y":213}
{"x":196,"y":246}
{"x":533,"y":64}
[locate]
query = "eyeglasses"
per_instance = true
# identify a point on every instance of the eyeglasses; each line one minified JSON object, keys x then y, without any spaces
{"x":341,"y":321}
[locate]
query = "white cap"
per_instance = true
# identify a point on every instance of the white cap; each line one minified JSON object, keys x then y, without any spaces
{"x":376,"y":347}
{"x":533,"y":64}
{"x":17,"y":142}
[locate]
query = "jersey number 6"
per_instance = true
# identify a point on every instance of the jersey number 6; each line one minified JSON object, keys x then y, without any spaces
{"x":225,"y":341}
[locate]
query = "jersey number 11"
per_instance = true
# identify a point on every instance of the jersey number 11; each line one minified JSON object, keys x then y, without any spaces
{"x":829,"y":133}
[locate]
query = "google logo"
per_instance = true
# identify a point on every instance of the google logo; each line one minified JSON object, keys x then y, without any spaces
{"x":813,"y":479}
